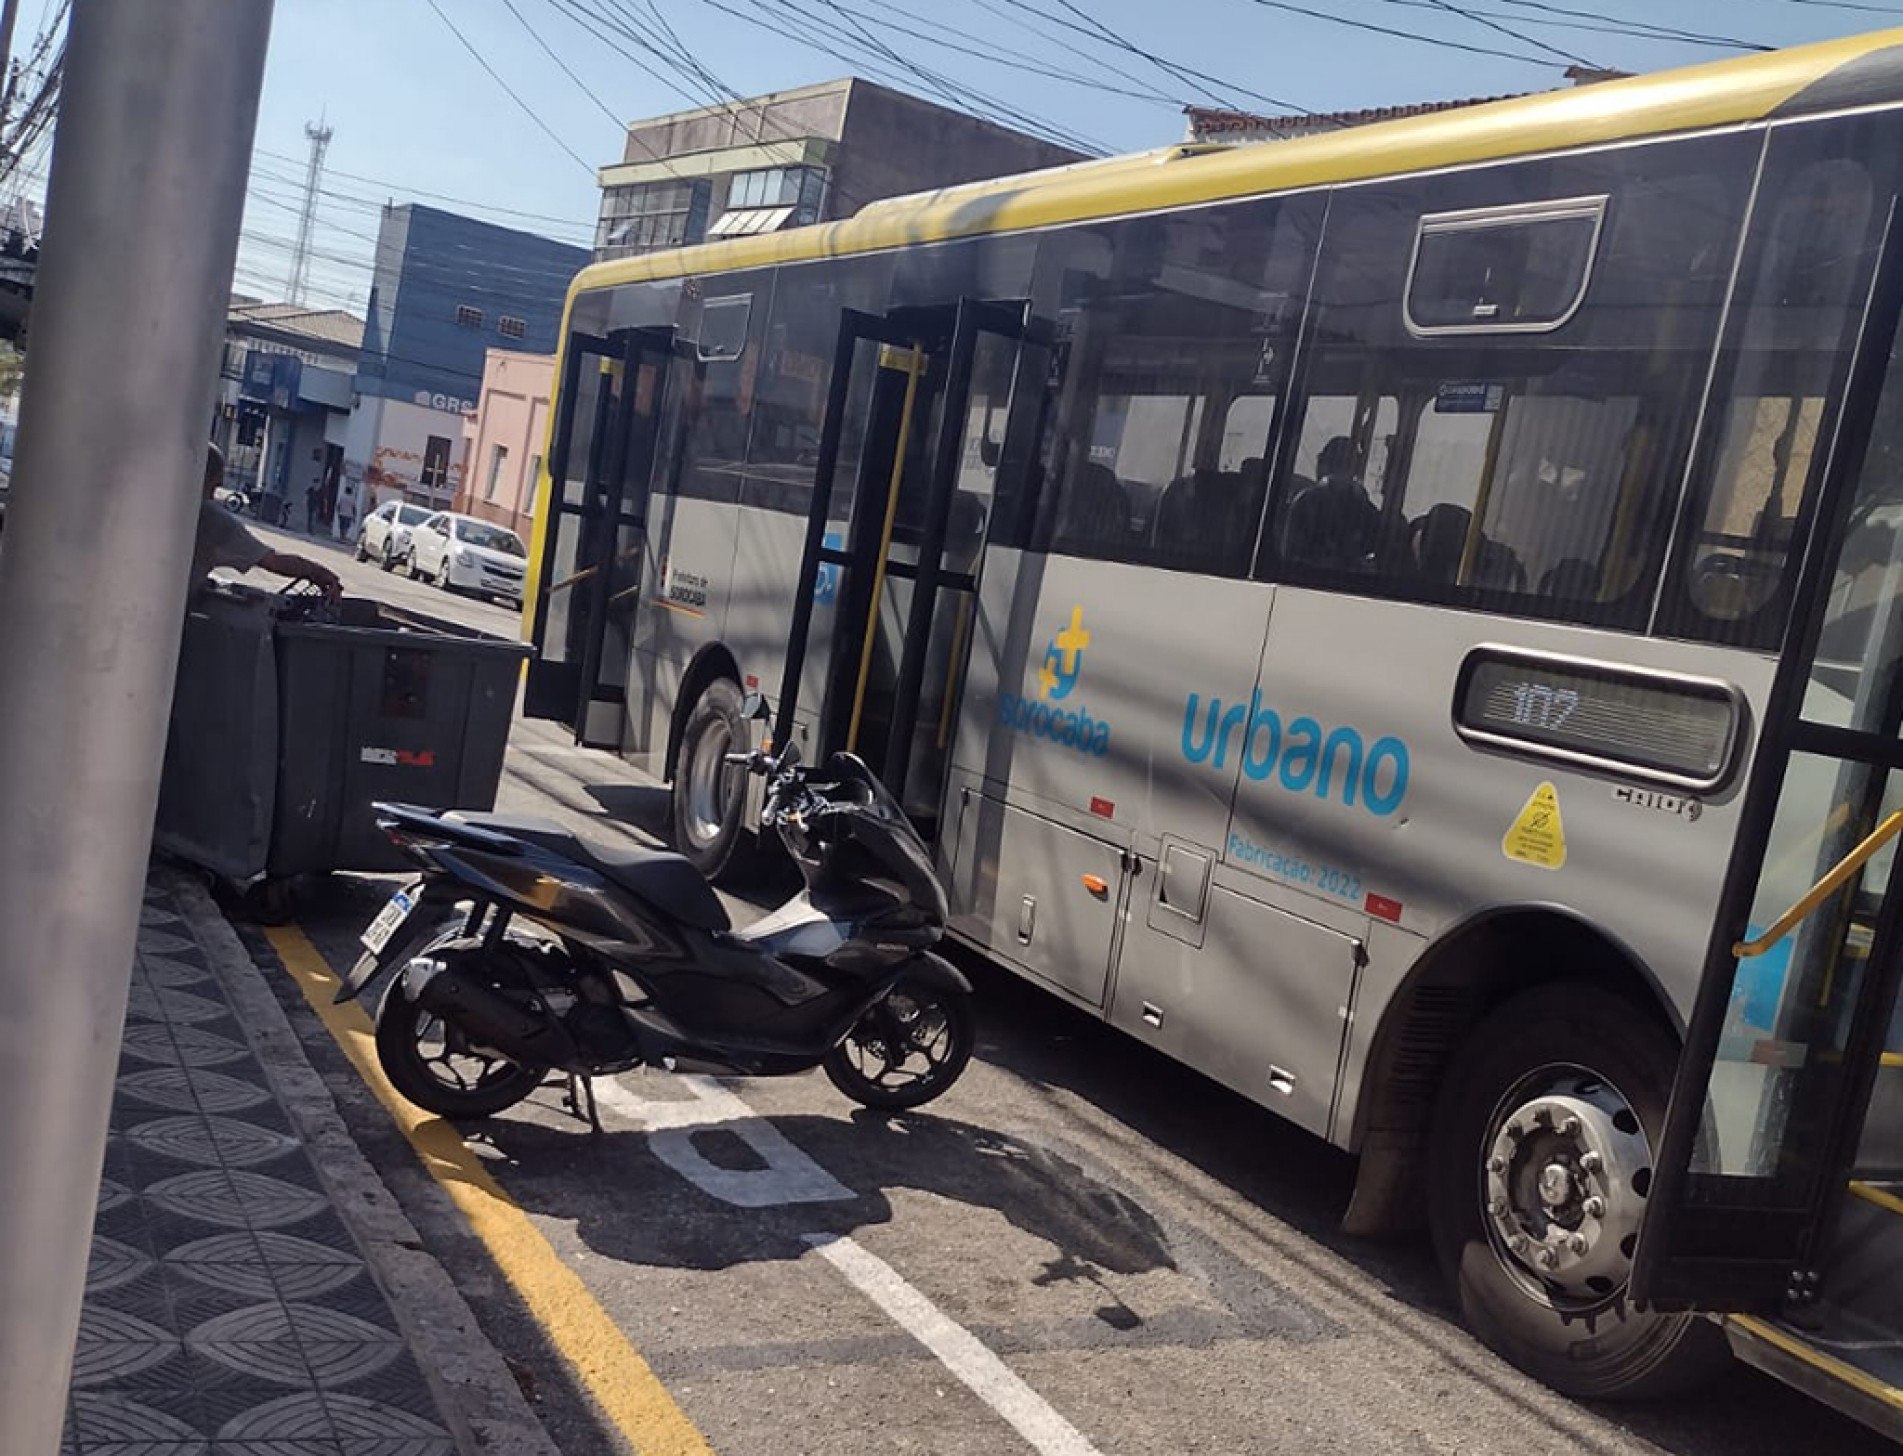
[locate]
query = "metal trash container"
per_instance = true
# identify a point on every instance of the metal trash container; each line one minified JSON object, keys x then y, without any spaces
{"x":288,"y":724}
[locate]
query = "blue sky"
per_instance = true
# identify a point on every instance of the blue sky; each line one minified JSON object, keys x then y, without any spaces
{"x":413,"y":112}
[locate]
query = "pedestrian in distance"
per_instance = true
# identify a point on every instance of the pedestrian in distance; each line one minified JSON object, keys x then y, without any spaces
{"x":222,"y":540}
{"x":312,"y":499}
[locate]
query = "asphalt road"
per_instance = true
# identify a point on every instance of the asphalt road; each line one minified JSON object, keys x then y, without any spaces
{"x":1081,"y":1248}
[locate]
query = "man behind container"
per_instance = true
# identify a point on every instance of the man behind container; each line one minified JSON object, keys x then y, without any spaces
{"x":222,"y":540}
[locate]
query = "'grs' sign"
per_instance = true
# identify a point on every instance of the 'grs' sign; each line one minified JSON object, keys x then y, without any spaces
{"x":1301,"y":756}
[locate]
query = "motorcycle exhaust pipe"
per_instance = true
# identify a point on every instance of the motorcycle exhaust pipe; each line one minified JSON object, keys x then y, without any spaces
{"x":490,"y":1020}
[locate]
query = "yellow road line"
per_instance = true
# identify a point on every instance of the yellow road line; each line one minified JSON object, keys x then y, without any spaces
{"x":609,"y":1368}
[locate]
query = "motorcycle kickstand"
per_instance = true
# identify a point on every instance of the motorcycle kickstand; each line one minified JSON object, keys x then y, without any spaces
{"x":580,"y":1096}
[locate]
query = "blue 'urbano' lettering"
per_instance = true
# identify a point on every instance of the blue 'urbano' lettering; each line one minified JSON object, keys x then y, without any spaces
{"x":1302,"y":756}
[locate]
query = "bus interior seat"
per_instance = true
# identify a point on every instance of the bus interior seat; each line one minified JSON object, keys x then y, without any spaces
{"x":1731,"y":586}
{"x":1206,"y":517}
{"x":1093,"y":509}
{"x":1330,"y":523}
{"x":1574,"y":580}
{"x":1440,"y":543}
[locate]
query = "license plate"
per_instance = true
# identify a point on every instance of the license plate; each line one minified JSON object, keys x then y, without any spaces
{"x":389,"y":920}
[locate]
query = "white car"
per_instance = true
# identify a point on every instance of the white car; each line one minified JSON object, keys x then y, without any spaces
{"x":384,"y":536}
{"x":461,"y":553}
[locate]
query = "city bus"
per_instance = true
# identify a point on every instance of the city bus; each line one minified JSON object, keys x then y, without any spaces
{"x":1404,"y":620}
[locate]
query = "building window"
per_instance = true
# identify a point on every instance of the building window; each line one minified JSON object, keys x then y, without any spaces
{"x":800,"y":188}
{"x":436,"y":464}
{"x":467,"y":317}
{"x":512,"y":327}
{"x":646,"y":216}
{"x":498,"y":457}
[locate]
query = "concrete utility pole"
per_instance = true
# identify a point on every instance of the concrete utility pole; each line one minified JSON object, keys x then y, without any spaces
{"x":160,"y":105}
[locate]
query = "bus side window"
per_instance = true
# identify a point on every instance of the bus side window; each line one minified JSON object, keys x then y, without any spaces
{"x":1783,"y":359}
{"x":1180,"y":330}
{"x":1524,"y":463}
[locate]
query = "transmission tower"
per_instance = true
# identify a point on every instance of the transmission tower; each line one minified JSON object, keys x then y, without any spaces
{"x":319,"y":135}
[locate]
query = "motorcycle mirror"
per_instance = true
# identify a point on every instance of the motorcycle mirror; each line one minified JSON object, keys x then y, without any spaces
{"x":753,"y":707}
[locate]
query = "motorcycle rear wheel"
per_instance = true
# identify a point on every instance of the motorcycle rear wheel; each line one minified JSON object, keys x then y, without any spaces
{"x":906,"y":1050}
{"x":430,"y":1064}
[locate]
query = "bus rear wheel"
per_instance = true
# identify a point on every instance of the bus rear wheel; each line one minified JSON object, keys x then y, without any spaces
{"x":1540,"y":1163}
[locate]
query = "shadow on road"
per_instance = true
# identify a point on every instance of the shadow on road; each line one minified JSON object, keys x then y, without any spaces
{"x":645,"y":807}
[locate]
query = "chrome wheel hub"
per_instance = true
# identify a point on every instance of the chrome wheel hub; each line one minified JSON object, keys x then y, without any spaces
{"x":1566,"y":1177}
{"x":706,"y":782}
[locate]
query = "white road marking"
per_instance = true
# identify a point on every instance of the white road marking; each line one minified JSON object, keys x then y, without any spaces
{"x":957,"y":1349}
{"x":790,"y":1176}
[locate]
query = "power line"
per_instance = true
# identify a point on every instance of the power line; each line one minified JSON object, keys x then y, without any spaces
{"x":1452,"y":9}
{"x":422,"y":192}
{"x":509,"y":90}
{"x":959,"y":95}
{"x":1098,"y":31}
{"x":1388,"y":30}
{"x":549,"y":51}
{"x":1594,"y":20}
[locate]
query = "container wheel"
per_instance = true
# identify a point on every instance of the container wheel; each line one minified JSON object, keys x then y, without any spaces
{"x":1539,"y":1165}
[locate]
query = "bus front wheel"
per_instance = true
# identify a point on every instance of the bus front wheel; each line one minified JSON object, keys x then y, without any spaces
{"x":1540,"y":1163}
{"x":708,"y":802}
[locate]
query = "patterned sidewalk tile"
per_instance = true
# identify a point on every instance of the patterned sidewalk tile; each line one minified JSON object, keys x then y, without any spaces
{"x":228,"y":1312}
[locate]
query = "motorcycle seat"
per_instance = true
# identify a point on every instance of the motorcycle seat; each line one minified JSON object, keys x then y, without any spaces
{"x":656,"y":875}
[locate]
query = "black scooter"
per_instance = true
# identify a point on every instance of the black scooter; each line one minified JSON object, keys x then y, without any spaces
{"x":564,"y":956}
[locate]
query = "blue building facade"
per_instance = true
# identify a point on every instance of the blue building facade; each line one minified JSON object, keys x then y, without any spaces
{"x":447,"y":288}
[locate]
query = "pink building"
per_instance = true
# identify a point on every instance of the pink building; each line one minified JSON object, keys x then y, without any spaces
{"x":504,"y":439}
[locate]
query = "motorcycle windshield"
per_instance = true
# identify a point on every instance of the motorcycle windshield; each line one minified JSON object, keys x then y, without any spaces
{"x":879,"y":827}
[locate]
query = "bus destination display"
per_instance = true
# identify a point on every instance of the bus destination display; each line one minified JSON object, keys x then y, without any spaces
{"x":1680,"y":729}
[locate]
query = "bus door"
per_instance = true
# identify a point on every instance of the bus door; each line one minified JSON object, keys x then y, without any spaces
{"x":600,"y":465}
{"x":926,"y":445}
{"x":1766,"y":1139}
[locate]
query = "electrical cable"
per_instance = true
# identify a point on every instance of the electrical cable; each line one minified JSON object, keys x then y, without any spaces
{"x":496,"y":76}
{"x":1646,"y":30}
{"x":1450,"y":8}
{"x":1388,"y":30}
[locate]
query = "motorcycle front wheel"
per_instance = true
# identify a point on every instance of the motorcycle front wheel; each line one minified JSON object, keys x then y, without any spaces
{"x":433,"y":1065}
{"x":906,"y":1050}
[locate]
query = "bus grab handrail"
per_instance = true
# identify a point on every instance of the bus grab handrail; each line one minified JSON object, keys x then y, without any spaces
{"x":1823,"y":889}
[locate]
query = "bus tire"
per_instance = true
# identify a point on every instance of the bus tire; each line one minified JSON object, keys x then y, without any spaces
{"x":708,"y":803}
{"x":1572,"y":1078}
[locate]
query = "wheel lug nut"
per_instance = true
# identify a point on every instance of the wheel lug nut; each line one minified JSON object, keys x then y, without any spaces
{"x":1496,"y":1165}
{"x":1517,"y":1243}
{"x":1595,"y":1208}
{"x":1579,"y":1243}
{"x":1591,"y":1162}
{"x":1515,"y":1131}
{"x":1542,"y":1117}
{"x":1570,"y":1127}
{"x":1497,"y":1207}
{"x":1548,"y":1258}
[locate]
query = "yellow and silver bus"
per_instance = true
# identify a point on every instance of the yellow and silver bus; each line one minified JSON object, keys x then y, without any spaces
{"x":1400,"y":620}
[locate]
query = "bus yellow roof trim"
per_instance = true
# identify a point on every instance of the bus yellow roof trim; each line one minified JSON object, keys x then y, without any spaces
{"x":1722,"y":93}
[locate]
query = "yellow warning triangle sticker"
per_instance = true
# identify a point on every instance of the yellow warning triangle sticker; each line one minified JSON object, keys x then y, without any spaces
{"x":1537,"y":837}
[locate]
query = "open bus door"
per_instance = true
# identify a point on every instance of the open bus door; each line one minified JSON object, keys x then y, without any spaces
{"x":1775,"y":1194}
{"x":600,"y":465}
{"x":930,"y":423}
